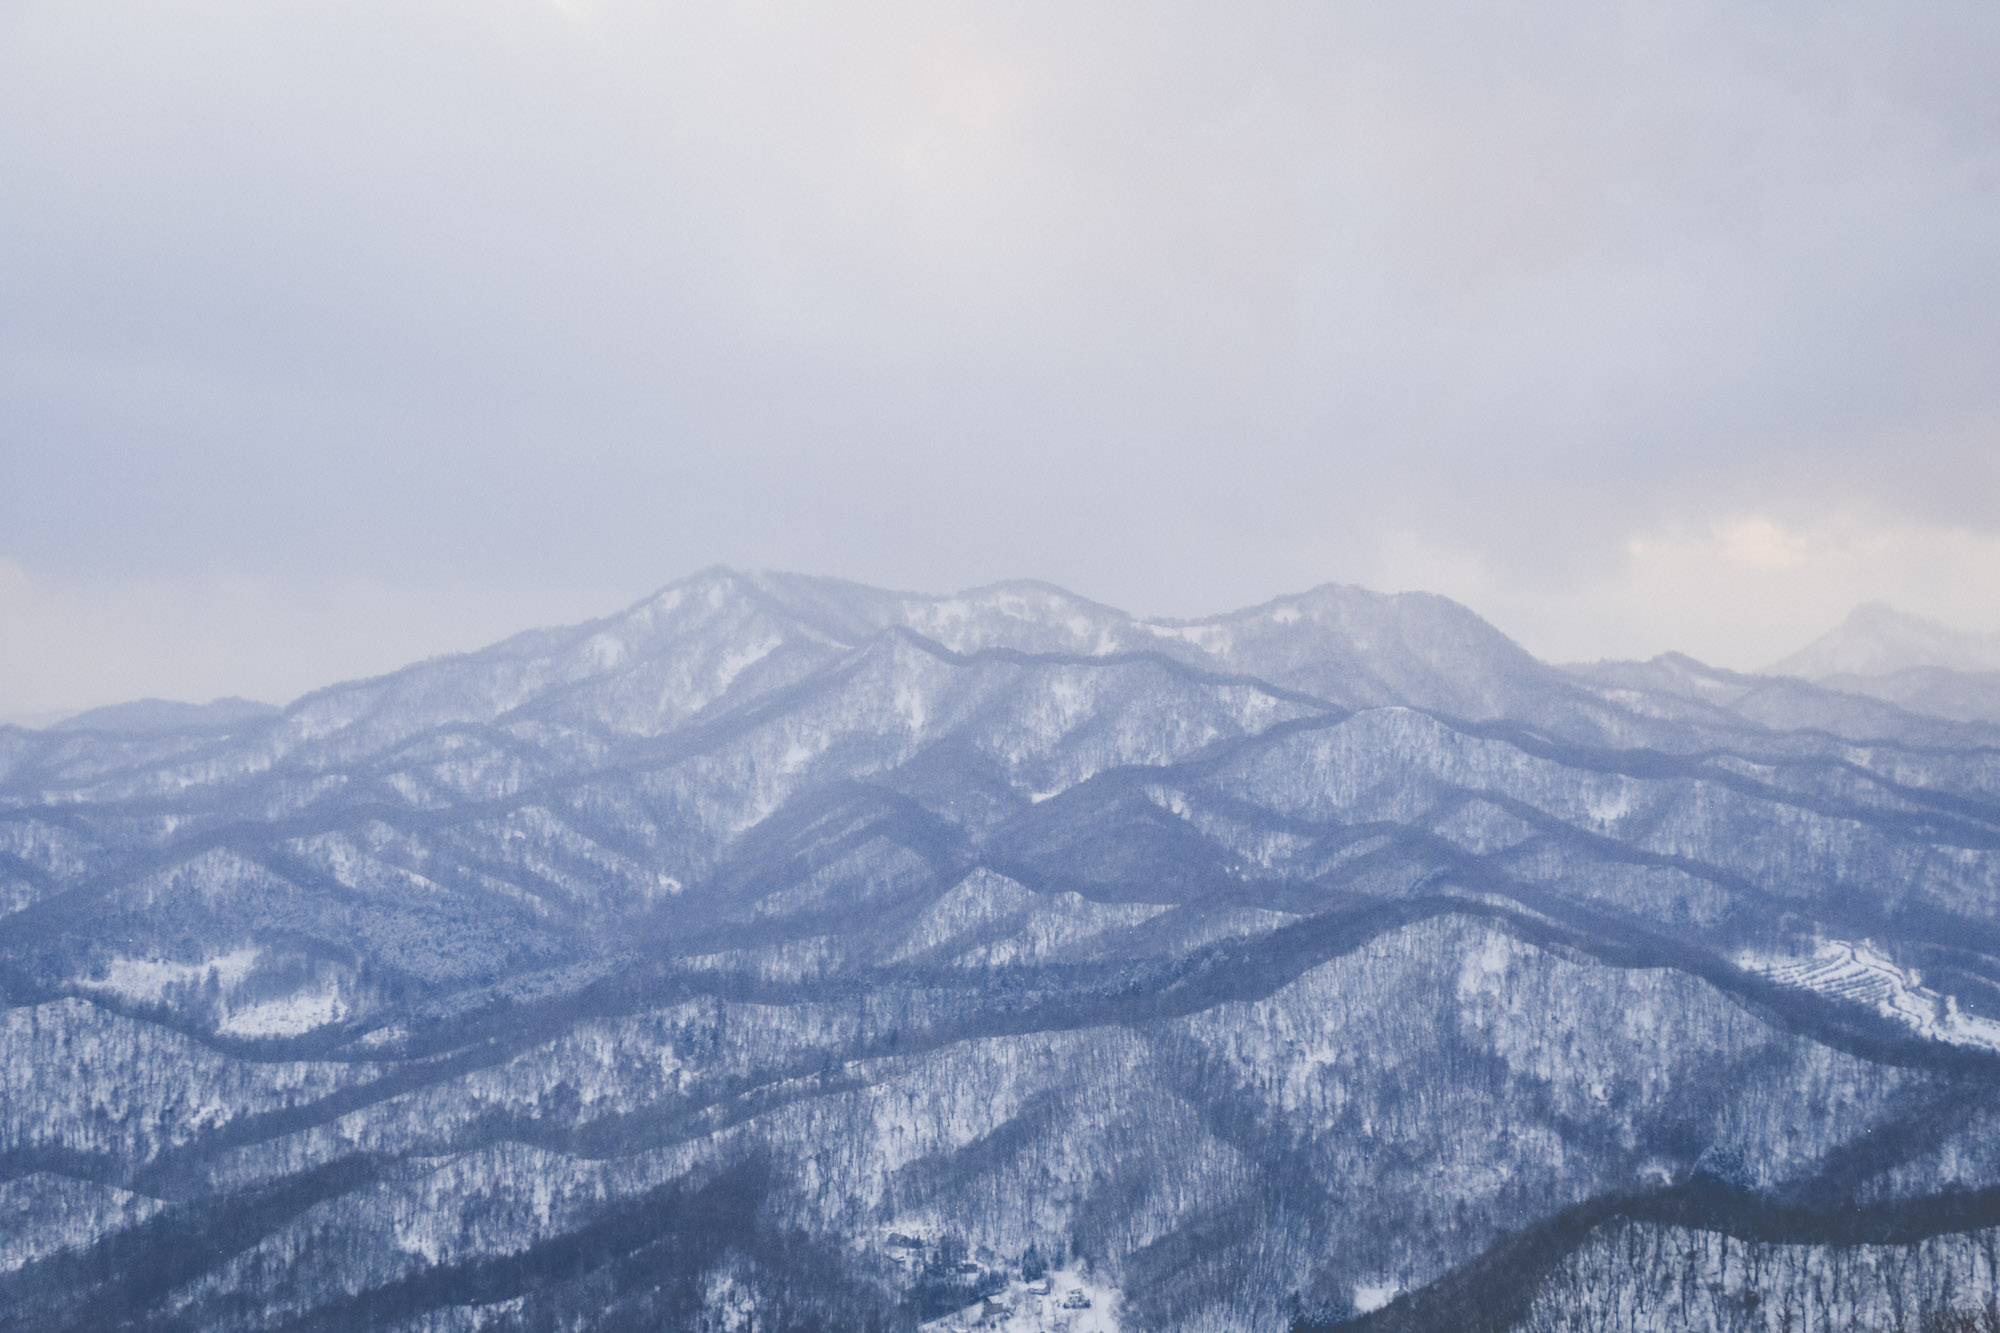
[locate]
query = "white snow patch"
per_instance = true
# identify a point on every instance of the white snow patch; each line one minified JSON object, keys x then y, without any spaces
{"x":146,"y":980}
{"x":730,"y":1302}
{"x":910,"y":704}
{"x":1374,"y":1295}
{"x":950,"y":622}
{"x":419,"y":1236}
{"x":1208,"y":638}
{"x":288,"y":1015}
{"x":741,"y":660}
{"x":1608,"y":807}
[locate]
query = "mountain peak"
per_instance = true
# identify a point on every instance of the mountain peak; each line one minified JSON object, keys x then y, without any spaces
{"x":713,"y":585}
{"x":1878,"y":640}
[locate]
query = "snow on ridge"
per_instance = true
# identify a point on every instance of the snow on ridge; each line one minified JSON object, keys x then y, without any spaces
{"x":966,"y":623}
{"x":150,"y":980}
{"x":1861,"y":974}
{"x":737,"y":661}
{"x":1205,"y":635}
{"x":605,"y":651}
{"x":981,"y":898}
{"x":1055,"y":921}
{"x":931,"y":616}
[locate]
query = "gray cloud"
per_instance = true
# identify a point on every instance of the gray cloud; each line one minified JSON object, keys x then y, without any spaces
{"x":1180,"y":305}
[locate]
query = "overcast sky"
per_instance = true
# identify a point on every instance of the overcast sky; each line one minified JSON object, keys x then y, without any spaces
{"x":338,"y":334}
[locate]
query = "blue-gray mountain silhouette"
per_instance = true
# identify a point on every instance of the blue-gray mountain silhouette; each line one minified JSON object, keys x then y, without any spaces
{"x":782,"y":953}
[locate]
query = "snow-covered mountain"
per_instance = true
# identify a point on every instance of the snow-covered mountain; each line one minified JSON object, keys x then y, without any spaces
{"x":1921,"y":706}
{"x":785,"y":953}
{"x":1913,"y":664}
{"x":1878,"y":640}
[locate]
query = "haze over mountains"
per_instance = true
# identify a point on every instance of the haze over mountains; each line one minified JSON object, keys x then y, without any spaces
{"x":1907,"y":661}
{"x":1877,"y":640}
{"x":782,"y":953}
{"x":1877,"y":651}
{"x":150,"y":715}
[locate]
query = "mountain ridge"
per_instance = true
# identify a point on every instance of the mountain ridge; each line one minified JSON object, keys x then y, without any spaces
{"x":1365,"y":658}
{"x":1190,"y":978}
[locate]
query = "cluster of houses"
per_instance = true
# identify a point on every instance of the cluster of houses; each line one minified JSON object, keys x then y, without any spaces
{"x":995,"y":1311}
{"x":1037,"y":1305}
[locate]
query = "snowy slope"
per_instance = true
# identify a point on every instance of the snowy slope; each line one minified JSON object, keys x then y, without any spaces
{"x":666,"y":970}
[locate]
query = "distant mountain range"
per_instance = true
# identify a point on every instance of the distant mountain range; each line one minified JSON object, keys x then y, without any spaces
{"x":1876,"y":640}
{"x":144,"y":716}
{"x":1915,"y":664}
{"x":1907,"y":661}
{"x":784,"y":953}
